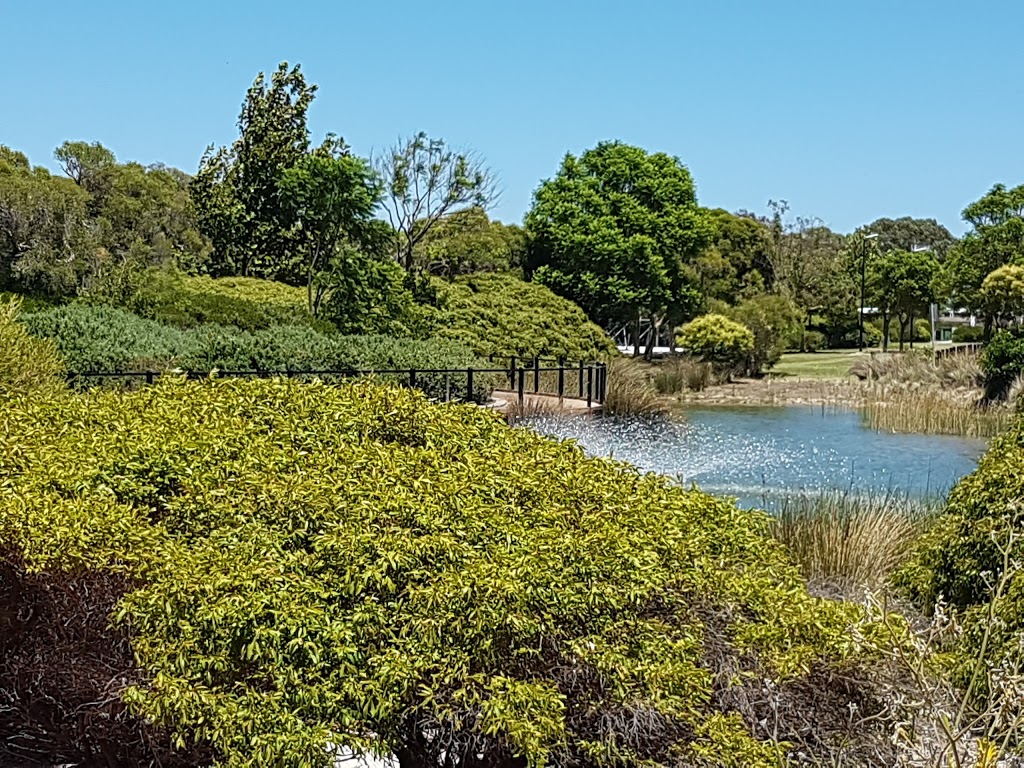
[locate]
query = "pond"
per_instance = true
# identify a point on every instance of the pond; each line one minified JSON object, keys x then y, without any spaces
{"x":759,"y":455}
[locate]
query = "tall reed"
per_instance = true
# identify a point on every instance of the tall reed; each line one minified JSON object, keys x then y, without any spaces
{"x":931,"y":412}
{"x":630,"y":390}
{"x":844,"y":541}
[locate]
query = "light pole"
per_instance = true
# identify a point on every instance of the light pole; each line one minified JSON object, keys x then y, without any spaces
{"x":863,"y":281}
{"x":933,"y":308}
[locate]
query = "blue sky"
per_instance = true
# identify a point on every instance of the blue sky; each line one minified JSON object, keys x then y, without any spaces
{"x":849,"y":110}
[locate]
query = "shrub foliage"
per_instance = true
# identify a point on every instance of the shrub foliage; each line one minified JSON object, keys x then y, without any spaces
{"x":503,"y":315}
{"x":105,"y":339}
{"x":26,"y":363}
{"x":717,"y":339}
{"x":305,"y":566}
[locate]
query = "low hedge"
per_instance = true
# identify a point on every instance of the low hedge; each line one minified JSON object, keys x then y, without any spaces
{"x":104,"y":339}
{"x":248,"y":303}
{"x":305,"y":567}
{"x":503,"y":315}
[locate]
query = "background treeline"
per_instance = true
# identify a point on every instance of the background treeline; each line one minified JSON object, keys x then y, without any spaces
{"x":279,"y":229}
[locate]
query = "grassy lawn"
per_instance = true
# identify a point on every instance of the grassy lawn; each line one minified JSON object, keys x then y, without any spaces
{"x":817,"y":365}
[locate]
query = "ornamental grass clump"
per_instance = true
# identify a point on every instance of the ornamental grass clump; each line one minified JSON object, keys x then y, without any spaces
{"x":300,"y":568}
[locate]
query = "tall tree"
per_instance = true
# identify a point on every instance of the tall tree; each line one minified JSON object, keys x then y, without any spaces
{"x":996,"y":239}
{"x":425,"y":181}
{"x":811,"y":266}
{"x":331,"y":201}
{"x":236,"y":189}
{"x":141,"y":216}
{"x":909,"y":234}
{"x":903,"y":286}
{"x":615,"y":231}
{"x":47,"y":243}
{"x":1003,"y":293}
{"x":468,"y":241}
{"x":738,"y":262}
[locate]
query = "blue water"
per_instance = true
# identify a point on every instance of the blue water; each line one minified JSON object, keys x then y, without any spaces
{"x":758,"y":454}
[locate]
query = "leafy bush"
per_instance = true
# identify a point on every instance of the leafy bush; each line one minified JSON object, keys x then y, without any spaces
{"x":1002,"y":360}
{"x":503,"y":315}
{"x":964,"y":334}
{"x":26,"y":363}
{"x":971,"y":559}
{"x":305,"y":566}
{"x":773,"y":321}
{"x":105,"y":339}
{"x":814,"y":341}
{"x":717,"y":339}
{"x":245,"y":302}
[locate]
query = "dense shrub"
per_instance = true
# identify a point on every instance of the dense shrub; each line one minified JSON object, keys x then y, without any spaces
{"x":717,"y":339}
{"x":309,"y":566}
{"x":773,"y":320}
{"x":26,"y":363}
{"x":813,"y":341}
{"x":976,"y":548}
{"x":1002,"y":361}
{"x":503,"y":315}
{"x":106,"y":339}
{"x":964,"y":334}
{"x":245,"y":302}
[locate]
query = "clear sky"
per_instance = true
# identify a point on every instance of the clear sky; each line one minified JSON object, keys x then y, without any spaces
{"x":850,"y":110}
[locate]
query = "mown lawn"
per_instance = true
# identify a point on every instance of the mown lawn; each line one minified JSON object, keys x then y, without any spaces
{"x":817,"y":365}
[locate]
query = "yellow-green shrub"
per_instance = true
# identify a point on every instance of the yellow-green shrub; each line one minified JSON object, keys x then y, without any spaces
{"x":716,"y":339}
{"x":352,"y":566}
{"x":245,"y":302}
{"x":503,"y":315}
{"x":26,"y":363}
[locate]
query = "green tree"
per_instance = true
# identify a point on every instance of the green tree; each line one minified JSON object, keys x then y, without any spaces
{"x":904,"y":285}
{"x":908,"y":234}
{"x":617,"y":231}
{"x":738,"y":262}
{"x":236,"y":190}
{"x":425,"y":181}
{"x":47,"y":245}
{"x":1003,"y":293}
{"x":811,"y":266}
{"x":468,"y":241}
{"x":331,"y":200}
{"x":142,"y":217}
{"x":996,"y":239}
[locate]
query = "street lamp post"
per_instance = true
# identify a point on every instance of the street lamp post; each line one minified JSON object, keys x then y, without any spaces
{"x":863,"y":281}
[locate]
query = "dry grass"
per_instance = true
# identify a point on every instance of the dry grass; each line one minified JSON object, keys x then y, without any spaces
{"x":959,"y":370}
{"x":630,"y":390}
{"x":848,"y":542}
{"x":683,"y":374}
{"x":936,"y":412}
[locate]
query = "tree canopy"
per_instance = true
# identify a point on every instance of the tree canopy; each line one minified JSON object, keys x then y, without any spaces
{"x":615,"y":231}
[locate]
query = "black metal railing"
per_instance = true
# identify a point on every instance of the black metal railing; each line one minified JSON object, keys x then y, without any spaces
{"x":584,"y":380}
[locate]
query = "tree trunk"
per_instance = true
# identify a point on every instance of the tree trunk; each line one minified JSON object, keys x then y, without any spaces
{"x":885,"y":331}
{"x":913,"y":330}
{"x":636,"y":336}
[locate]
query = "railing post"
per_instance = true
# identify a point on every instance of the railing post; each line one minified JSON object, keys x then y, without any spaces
{"x":604,"y":383}
{"x":590,"y":386}
{"x":447,"y":386}
{"x":561,"y":377}
{"x":469,"y":385}
{"x":581,"y":380}
{"x":149,"y":377}
{"x":512,"y":372}
{"x":536,"y":375}
{"x":412,"y":378}
{"x":522,"y":385}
